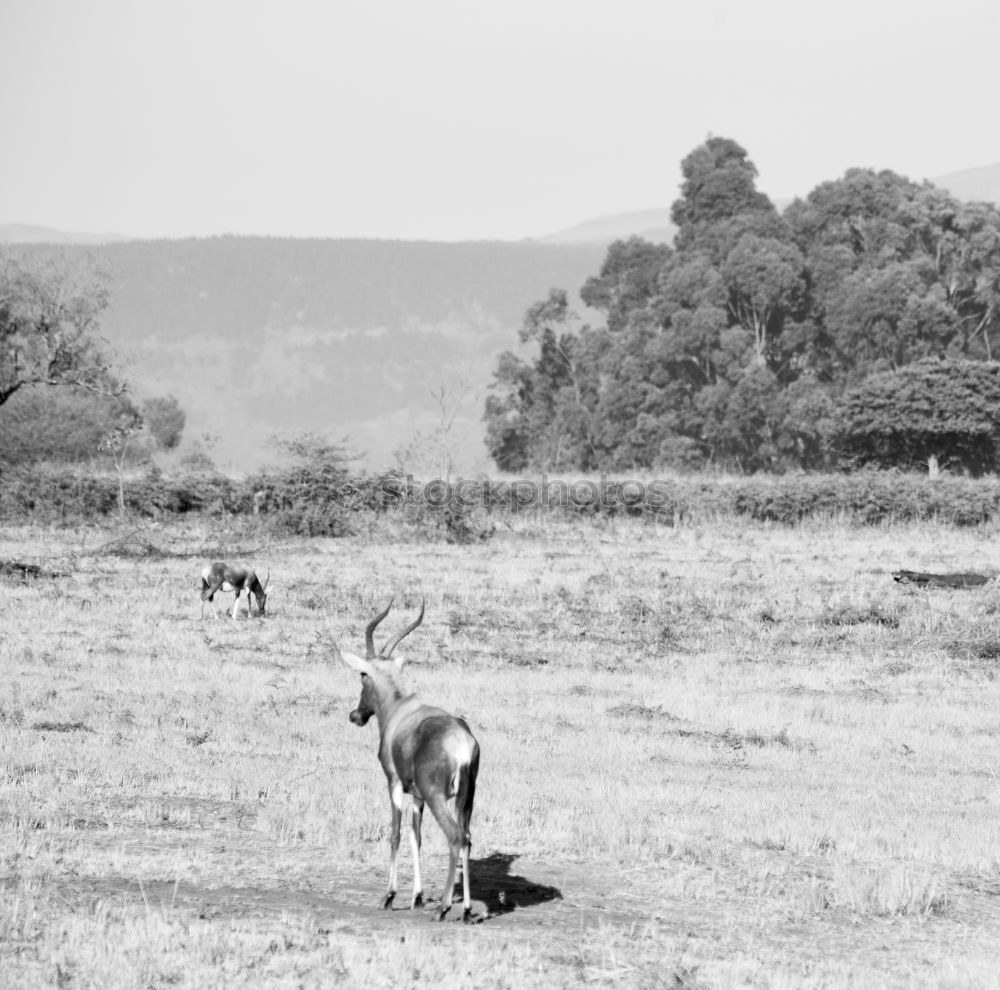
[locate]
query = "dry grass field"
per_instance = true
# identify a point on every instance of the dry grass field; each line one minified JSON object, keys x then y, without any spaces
{"x":711,"y":757}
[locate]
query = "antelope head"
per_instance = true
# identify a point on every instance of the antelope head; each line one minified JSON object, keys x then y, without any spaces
{"x":378,"y":670}
{"x":262,"y":594}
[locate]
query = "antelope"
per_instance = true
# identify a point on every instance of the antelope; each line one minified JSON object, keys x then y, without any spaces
{"x":426,"y":753}
{"x":233,"y":577}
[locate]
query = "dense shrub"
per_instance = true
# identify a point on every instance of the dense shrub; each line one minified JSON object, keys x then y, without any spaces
{"x":63,"y":425}
{"x":60,"y":494}
{"x":935,"y":412}
{"x":301,"y":503}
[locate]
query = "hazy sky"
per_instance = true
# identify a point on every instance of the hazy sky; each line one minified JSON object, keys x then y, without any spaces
{"x":452,"y":119}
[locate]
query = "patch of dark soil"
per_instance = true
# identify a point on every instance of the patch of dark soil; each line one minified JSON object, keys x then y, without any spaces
{"x":986,"y":650}
{"x":42,"y":821}
{"x":21,"y":571}
{"x":496,"y":891}
{"x":130,"y":545}
{"x":634,"y":709}
{"x":898,"y":667}
{"x":17,"y":774}
{"x":61,"y":727}
{"x":527,"y":658}
{"x":737,"y":740}
{"x":851,"y":615}
{"x":802,"y":691}
{"x":866,"y":692}
{"x":730,"y":738}
{"x":989,"y":885}
{"x":855,"y":689}
{"x":634,"y":610}
{"x":91,"y":824}
{"x":478,"y":620}
{"x":11,"y":715}
{"x":137,"y":545}
{"x":734,"y":740}
{"x":599,"y":583}
{"x":180,"y":811}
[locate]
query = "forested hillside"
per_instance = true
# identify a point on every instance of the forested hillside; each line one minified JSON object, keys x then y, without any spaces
{"x":262,"y":335}
{"x":740,"y":345}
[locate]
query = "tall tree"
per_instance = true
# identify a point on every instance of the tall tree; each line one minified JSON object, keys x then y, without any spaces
{"x":540,"y":413}
{"x":50,"y":308}
{"x":720,"y":185}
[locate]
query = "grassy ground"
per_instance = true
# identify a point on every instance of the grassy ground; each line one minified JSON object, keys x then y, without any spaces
{"x":712,"y":757}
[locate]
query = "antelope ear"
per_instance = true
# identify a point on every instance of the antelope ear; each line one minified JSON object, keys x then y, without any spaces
{"x":399,"y":661}
{"x":355,"y":662}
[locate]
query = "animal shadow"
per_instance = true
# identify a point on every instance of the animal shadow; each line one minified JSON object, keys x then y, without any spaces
{"x":502,"y":891}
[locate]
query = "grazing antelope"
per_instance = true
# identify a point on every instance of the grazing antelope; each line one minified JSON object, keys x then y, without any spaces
{"x":426,"y":753}
{"x":233,"y":577}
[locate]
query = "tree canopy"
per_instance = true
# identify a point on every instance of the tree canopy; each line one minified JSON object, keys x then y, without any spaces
{"x":60,"y":425}
{"x":50,"y":307}
{"x":935,"y":412}
{"x":51,"y":304}
{"x":736,"y":346}
{"x":164,"y":419}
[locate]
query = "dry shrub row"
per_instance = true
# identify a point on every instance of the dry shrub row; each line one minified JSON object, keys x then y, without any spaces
{"x":866,"y":497}
{"x":324,"y":502}
{"x":294,"y":502}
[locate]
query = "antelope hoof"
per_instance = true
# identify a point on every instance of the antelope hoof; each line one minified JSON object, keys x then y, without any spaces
{"x":467,"y":916}
{"x":418,"y":901}
{"x":443,"y":912}
{"x":387,"y":901}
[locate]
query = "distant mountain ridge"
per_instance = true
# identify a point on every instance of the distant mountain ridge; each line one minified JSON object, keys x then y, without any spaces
{"x":970,"y":185}
{"x":654,"y":225}
{"x":25,"y":233}
{"x":973,"y":185}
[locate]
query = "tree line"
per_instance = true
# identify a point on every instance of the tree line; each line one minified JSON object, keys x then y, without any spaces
{"x":857,"y":326}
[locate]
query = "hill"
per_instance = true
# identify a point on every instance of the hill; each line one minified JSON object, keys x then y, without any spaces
{"x":262,"y":335}
{"x":653,"y":225}
{"x":25,"y":233}
{"x":973,"y":184}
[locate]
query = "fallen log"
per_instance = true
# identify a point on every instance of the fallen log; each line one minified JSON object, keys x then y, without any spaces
{"x":963,"y":579}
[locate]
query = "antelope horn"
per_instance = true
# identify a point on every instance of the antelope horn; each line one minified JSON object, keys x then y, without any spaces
{"x":387,"y":651}
{"x":370,"y":653}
